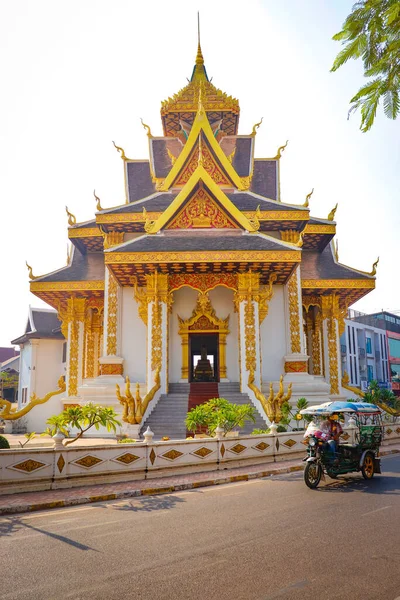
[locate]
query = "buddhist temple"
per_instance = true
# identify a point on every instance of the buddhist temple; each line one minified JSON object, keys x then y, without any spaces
{"x":204,"y":276}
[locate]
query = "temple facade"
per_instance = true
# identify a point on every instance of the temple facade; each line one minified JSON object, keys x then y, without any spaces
{"x":204,"y":275}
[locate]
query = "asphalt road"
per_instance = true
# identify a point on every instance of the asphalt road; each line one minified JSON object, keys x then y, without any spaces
{"x":259,"y":540}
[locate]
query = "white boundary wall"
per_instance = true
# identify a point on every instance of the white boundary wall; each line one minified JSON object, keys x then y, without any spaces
{"x":47,"y":468}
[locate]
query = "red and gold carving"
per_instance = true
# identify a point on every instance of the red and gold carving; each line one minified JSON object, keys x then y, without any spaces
{"x":298,"y":366}
{"x":201,"y":212}
{"x":111,"y":369}
{"x":209,"y":165}
{"x":203,"y":283}
{"x":202,"y":324}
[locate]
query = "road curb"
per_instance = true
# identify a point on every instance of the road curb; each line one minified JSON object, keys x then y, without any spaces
{"x":150,"y":491}
{"x":155,"y":491}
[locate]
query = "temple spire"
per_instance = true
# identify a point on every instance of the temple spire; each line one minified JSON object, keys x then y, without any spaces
{"x":199,"y":57}
{"x":199,"y":70}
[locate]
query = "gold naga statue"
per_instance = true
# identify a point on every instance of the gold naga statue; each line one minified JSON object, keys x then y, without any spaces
{"x":132,"y":406}
{"x":273,"y":404}
{"x":10,"y":414}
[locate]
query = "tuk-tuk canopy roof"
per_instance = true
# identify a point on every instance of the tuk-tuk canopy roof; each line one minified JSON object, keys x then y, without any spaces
{"x":337,"y":406}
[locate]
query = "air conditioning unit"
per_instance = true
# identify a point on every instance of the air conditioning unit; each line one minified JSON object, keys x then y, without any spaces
{"x":364,"y":386}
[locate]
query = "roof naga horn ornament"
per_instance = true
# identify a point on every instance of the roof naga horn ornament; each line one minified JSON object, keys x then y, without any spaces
{"x":31,"y":275}
{"x":307,"y":202}
{"x":336,"y":251}
{"x":71,"y":217}
{"x":280,"y":150}
{"x":98,"y":205}
{"x":374,"y":266}
{"x":300,"y":241}
{"x":147,"y":128}
{"x":331,"y":215}
{"x":256,"y":126}
{"x":255,"y":220}
{"x":148,"y":224}
{"x":121,"y":151}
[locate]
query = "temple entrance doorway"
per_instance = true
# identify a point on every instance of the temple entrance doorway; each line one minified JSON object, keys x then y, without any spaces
{"x":203,"y":357}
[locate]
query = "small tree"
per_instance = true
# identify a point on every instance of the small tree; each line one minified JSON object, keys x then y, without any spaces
{"x":218,"y":412}
{"x":83,"y":418}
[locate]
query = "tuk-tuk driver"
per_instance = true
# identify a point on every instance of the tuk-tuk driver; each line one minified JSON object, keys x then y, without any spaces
{"x":334,"y":430}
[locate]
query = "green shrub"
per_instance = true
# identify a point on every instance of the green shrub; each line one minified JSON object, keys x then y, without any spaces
{"x":4,"y":443}
{"x":259,"y":431}
{"x":126,"y":441}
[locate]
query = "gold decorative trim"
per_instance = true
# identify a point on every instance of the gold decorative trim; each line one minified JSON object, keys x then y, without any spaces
{"x":324,"y":229}
{"x":112,"y":314}
{"x":268,"y":256}
{"x":279,"y":215}
{"x":338,"y":284}
{"x":28,"y":466}
{"x":127,"y":217}
{"x":66,"y":286}
{"x":202,"y":282}
{"x":84,"y":232}
{"x":298,"y":366}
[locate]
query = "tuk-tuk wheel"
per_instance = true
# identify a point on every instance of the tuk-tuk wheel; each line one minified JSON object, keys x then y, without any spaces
{"x":367,"y":468}
{"x":312,"y":474}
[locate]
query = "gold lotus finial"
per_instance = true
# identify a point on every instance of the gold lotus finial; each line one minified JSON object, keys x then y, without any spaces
{"x":256,"y":126}
{"x":120,"y":150}
{"x":331,"y":215}
{"x":374,"y":266}
{"x":307,"y":202}
{"x":280,"y":150}
{"x":98,"y":205}
{"x":71,"y":217}
{"x":147,"y":128}
{"x":31,"y":275}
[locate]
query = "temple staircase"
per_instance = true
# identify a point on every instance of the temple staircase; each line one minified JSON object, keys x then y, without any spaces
{"x":168,"y":417}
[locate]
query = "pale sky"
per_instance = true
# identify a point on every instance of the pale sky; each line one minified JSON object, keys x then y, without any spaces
{"x":78,"y":74}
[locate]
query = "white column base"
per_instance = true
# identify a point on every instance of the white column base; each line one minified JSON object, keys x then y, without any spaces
{"x":132,"y":431}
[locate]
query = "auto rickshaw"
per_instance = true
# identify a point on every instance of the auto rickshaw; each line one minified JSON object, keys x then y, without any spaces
{"x":360,"y":454}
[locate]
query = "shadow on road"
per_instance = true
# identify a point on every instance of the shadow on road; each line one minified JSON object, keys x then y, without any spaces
{"x":150,"y":503}
{"x":384,"y":485}
{"x":13,"y":524}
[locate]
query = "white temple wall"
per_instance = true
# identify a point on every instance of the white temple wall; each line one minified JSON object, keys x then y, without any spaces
{"x":273,"y":338}
{"x":24,"y":371}
{"x":133,"y":338}
{"x":183,"y":305}
{"x":222,"y":301}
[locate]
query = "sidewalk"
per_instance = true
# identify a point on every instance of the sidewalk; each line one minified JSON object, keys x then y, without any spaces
{"x":30,"y":501}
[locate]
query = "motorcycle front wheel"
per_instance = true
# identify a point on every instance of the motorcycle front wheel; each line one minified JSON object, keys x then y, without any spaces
{"x":312,"y":474}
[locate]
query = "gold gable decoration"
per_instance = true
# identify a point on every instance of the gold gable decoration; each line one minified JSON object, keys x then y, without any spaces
{"x":202,"y":212}
{"x":209,"y":164}
{"x":203,"y":320}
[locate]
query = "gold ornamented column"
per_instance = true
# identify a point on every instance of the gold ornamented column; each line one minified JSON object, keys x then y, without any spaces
{"x":158,"y":302}
{"x":246,"y":303}
{"x":296,"y":360}
{"x":332,"y":316}
{"x":316,"y":345}
{"x":93,"y":326}
{"x":75,"y":317}
{"x":111,"y":363}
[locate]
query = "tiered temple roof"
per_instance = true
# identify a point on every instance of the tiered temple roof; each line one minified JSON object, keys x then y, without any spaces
{"x":202,"y":203}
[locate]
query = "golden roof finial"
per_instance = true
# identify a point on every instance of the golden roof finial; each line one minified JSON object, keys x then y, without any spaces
{"x":373,"y":272}
{"x":98,"y":205}
{"x":199,"y":56}
{"x":31,"y":275}
{"x":120,"y":150}
{"x":280,"y":150}
{"x":300,"y":241}
{"x":256,"y":126}
{"x":307,"y":202}
{"x":71,"y":217}
{"x":147,"y":128}
{"x":331,"y":215}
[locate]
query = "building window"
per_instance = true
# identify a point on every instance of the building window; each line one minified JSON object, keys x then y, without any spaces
{"x":394,"y":347}
{"x":64,"y":352}
{"x":370,"y":372}
{"x":24,"y":395}
{"x":369,"y":345}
